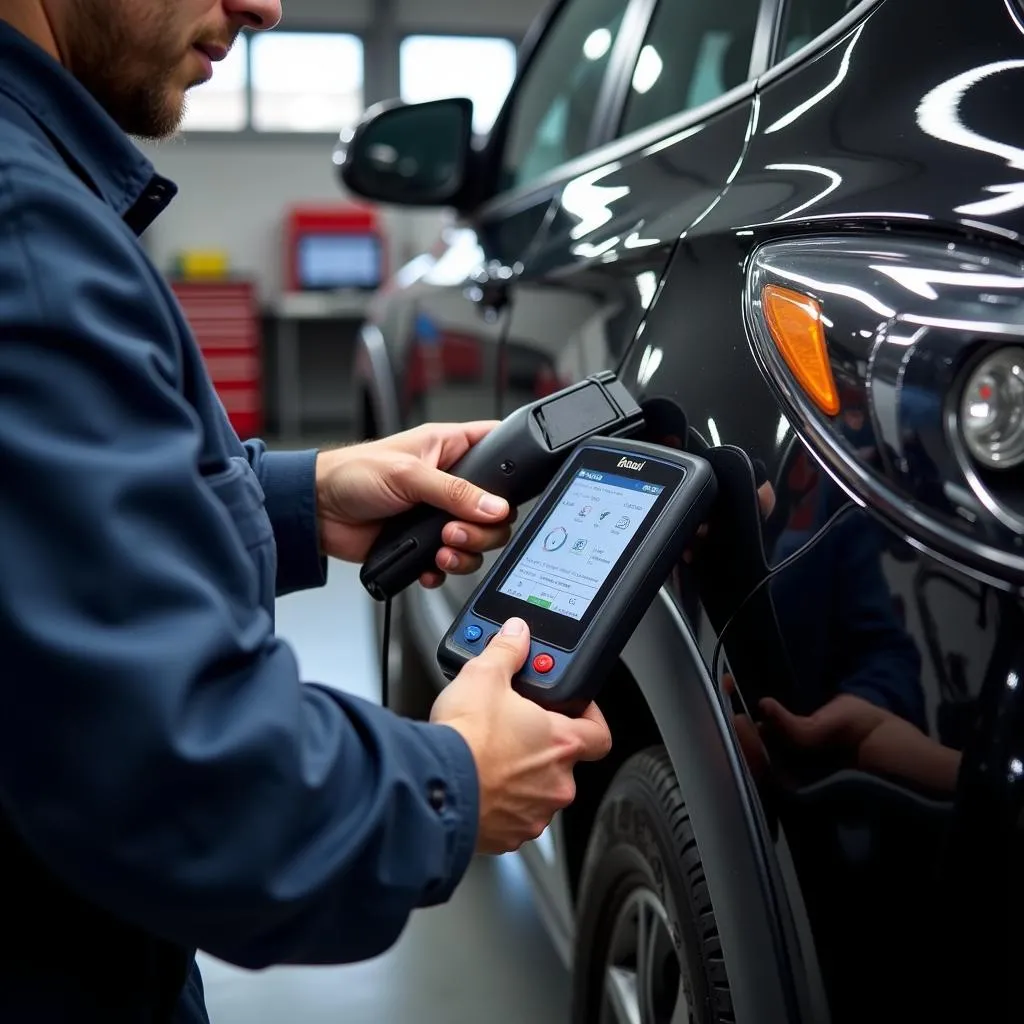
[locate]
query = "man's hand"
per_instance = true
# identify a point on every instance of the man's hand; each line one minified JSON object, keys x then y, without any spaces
{"x":846,"y":723}
{"x":524,"y":755}
{"x":361,"y":486}
{"x":867,"y":737}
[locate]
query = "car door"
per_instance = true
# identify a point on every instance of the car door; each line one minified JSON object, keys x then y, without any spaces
{"x":671,"y":138}
{"x":673,"y":129}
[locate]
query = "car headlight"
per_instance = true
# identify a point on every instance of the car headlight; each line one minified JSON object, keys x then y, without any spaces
{"x":992,"y":409}
{"x":900,"y":363}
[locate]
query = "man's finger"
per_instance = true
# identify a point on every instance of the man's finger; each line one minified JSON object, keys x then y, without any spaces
{"x":458,"y":438}
{"x":477,"y":430}
{"x":506,"y":653}
{"x":594,"y":714}
{"x":593,"y":733}
{"x":458,"y":562}
{"x":470,"y":537}
{"x":459,"y":497}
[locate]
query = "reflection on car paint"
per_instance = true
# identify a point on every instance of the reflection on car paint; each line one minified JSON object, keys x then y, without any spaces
{"x":891,"y":786}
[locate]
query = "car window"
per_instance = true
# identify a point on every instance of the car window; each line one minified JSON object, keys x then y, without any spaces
{"x":803,"y":20}
{"x":695,"y":50}
{"x":554,"y":106}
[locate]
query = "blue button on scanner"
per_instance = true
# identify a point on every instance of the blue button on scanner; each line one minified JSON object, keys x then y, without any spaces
{"x":472,"y":633}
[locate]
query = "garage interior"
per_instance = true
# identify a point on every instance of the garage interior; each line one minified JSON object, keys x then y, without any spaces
{"x":253,"y":164}
{"x":791,"y":244}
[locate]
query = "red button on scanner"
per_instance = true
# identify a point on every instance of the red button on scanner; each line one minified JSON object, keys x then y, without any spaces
{"x":543,"y":663}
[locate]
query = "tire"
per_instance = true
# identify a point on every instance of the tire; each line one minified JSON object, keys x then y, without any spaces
{"x":642,"y":868}
{"x":411,"y":690}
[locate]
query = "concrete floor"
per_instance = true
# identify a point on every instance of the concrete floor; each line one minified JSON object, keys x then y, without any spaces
{"x":484,"y":956}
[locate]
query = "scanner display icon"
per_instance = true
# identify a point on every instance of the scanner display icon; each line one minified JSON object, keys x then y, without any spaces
{"x":555,"y":539}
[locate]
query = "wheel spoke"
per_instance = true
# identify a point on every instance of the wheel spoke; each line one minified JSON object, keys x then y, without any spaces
{"x":646,"y":960}
{"x":621,"y":995}
{"x":681,"y":1012}
{"x":645,"y":982}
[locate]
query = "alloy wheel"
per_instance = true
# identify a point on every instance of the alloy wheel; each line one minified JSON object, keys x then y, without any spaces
{"x":646,"y":980}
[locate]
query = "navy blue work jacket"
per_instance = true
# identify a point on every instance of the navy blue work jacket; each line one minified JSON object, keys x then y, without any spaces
{"x":167,"y":782}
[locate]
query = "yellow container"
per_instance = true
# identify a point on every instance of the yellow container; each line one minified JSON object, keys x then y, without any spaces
{"x":202,"y":264}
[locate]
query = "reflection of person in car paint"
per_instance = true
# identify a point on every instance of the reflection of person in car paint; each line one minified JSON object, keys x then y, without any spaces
{"x":865,"y":701}
{"x":835,"y":610}
{"x":858,"y":669}
{"x":871,"y":738}
{"x":857,"y":733}
{"x":855,"y":425}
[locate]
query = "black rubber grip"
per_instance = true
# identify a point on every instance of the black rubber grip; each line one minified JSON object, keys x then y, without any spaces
{"x":408,"y":544}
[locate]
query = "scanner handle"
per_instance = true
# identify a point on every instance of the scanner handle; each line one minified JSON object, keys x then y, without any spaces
{"x":407,"y":545}
{"x":515,"y":461}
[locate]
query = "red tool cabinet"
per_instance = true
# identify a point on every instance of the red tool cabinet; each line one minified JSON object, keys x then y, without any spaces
{"x":224,"y":317}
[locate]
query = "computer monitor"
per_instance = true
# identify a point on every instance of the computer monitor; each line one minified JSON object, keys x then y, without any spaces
{"x":334,"y":247}
{"x":338,"y":260}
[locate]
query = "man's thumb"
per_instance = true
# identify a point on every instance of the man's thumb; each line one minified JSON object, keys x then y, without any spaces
{"x":460,"y":498}
{"x":507,"y":652}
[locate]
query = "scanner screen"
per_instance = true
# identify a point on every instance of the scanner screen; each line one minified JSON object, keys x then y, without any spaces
{"x":579,"y":543}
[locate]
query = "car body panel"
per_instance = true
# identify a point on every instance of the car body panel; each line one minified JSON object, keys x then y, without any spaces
{"x":879,"y":888}
{"x":586,"y":288}
{"x":756,"y":930}
{"x":601,"y":261}
{"x":881,"y":862}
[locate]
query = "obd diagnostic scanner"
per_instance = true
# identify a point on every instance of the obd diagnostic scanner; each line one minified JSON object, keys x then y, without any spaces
{"x":516,"y":461}
{"x":585,"y":565}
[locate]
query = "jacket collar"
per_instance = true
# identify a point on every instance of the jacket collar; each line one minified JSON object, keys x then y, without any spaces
{"x":88,"y":139}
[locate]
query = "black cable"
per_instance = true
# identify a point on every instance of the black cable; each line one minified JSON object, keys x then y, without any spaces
{"x":502,"y":356}
{"x":772,"y":573}
{"x":386,"y":630}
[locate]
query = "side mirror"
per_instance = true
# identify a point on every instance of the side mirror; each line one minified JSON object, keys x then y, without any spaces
{"x":414,"y":155}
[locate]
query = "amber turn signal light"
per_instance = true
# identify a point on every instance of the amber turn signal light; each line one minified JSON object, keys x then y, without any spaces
{"x":794,"y":321}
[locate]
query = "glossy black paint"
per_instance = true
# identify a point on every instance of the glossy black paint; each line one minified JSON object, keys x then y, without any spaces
{"x":894,"y":864}
{"x":888,"y":843}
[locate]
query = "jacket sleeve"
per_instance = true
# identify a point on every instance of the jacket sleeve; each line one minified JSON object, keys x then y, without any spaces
{"x":878,"y":660}
{"x":289,"y":483}
{"x":158,"y":751}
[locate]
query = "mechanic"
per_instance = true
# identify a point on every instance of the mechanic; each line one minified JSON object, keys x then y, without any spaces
{"x":167,"y":782}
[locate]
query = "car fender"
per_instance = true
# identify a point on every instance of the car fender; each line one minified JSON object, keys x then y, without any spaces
{"x":757,"y":926}
{"x":373,"y":378}
{"x":755,"y":922}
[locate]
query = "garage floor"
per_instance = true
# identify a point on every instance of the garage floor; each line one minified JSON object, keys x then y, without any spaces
{"x":484,"y":956}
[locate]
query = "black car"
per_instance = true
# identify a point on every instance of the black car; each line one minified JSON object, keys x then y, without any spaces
{"x":794,"y":229}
